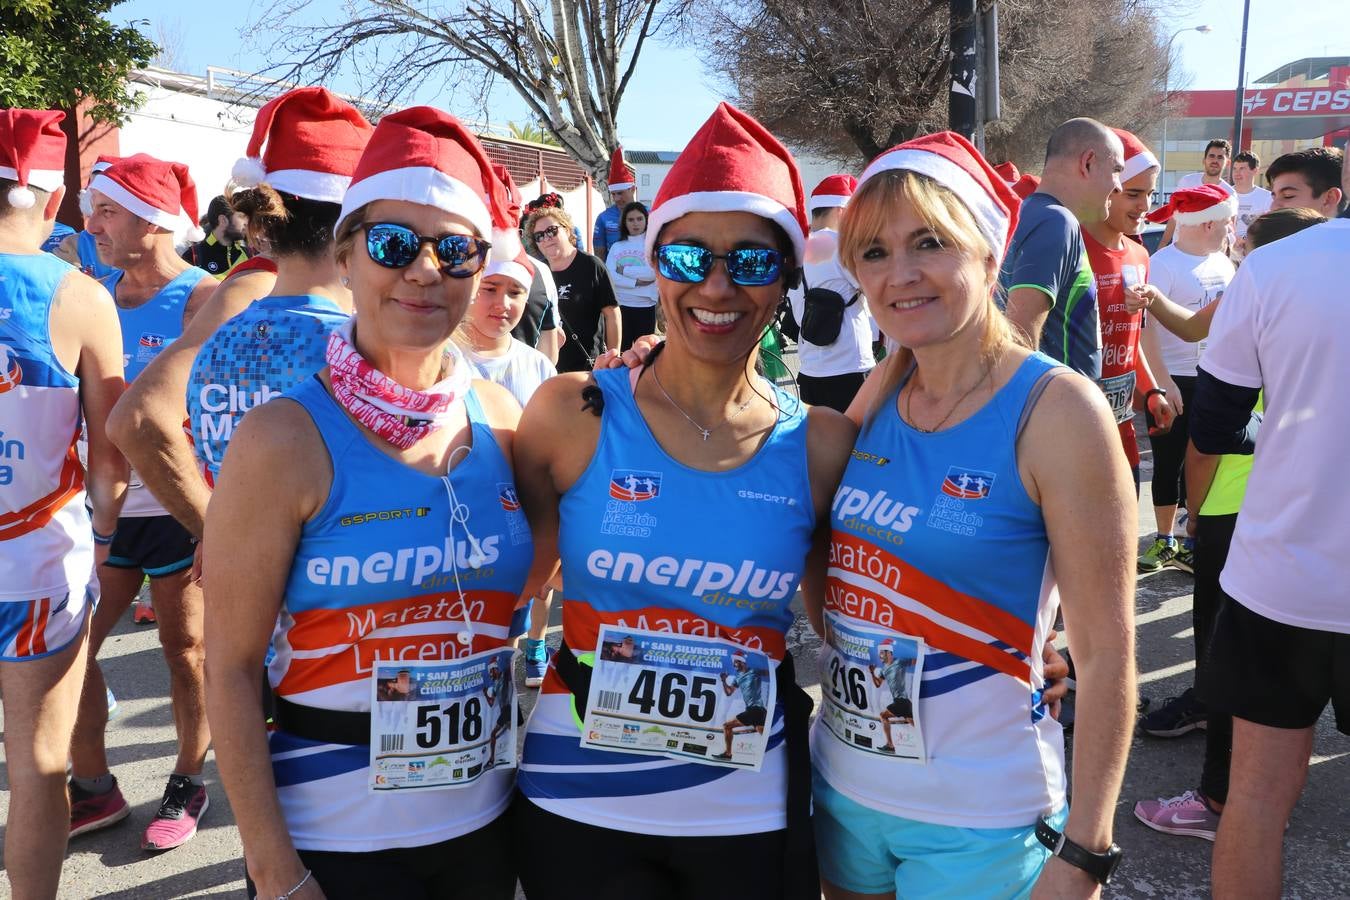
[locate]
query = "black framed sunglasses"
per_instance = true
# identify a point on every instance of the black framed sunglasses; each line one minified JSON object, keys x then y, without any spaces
{"x":396,"y":246}
{"x":746,"y":266}
{"x":549,"y":232}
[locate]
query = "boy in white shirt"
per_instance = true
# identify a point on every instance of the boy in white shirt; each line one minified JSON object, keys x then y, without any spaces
{"x":1252,"y":200}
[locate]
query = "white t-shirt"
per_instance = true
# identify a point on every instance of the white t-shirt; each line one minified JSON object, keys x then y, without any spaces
{"x":1192,"y":282}
{"x":1195,"y":179}
{"x":520,"y":370}
{"x":1282,"y":328}
{"x":852,"y":351}
{"x":1250,"y":205}
{"x":630,"y":254}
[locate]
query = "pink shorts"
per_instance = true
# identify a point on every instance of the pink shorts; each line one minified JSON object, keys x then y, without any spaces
{"x":32,"y":629}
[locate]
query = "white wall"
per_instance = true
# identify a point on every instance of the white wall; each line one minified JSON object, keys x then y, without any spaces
{"x":206,"y":135}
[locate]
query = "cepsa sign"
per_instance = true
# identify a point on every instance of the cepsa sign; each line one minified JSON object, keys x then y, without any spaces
{"x":1271,"y":103}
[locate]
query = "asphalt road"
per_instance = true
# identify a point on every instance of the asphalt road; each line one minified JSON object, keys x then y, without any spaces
{"x":111,"y":864}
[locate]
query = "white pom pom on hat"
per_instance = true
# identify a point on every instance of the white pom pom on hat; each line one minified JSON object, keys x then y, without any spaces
{"x":21,"y":197}
{"x":248,"y":172}
{"x":32,"y":153}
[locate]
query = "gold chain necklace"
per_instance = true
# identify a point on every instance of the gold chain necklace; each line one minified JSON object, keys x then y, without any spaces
{"x":909,"y":399}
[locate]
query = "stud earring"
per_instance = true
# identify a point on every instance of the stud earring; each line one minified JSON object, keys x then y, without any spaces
{"x":345,"y":281}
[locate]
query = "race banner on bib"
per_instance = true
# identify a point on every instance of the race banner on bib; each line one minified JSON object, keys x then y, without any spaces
{"x":437,"y":725}
{"x":870,"y":689}
{"x":689,"y":698}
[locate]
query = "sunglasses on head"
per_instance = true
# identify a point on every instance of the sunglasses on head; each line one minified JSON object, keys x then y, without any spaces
{"x":746,"y":266}
{"x":549,"y":232}
{"x":396,"y":246}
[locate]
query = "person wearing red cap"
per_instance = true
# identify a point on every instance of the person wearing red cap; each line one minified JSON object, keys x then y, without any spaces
{"x":622,"y":191}
{"x":1119,"y":264}
{"x":139,"y":204}
{"x":60,"y":364}
{"x":958,"y":528}
{"x":1192,"y":271}
{"x":373,"y":505}
{"x":834,"y":353}
{"x":1048,"y":282}
{"x":79,"y":249}
{"x":687,"y":506}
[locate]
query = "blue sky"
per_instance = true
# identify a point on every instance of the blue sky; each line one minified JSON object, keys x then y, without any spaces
{"x":671,"y":95}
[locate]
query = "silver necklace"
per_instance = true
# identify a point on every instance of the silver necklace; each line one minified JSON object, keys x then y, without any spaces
{"x":910,"y":416}
{"x":706,"y":432}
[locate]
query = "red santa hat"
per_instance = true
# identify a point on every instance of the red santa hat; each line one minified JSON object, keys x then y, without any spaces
{"x":738,"y":656}
{"x":1196,"y":206}
{"x":1008,"y":172}
{"x":1027,"y":185}
{"x":162,"y":193}
{"x":313,"y":139}
{"x":32,"y":153}
{"x":833,"y":192}
{"x":520,"y":269}
{"x":621,"y":174}
{"x":953,"y":162}
{"x":425,"y":155}
{"x":1138,"y":158}
{"x":886,"y":646}
{"x":733,"y":164}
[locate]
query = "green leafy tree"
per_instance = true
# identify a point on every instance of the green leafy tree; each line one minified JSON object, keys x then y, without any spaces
{"x":531,"y":132}
{"x":57,"y":53}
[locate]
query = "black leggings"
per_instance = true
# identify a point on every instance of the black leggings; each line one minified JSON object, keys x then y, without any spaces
{"x":635,"y":322}
{"x":475,"y":866}
{"x":1169,"y":450}
{"x":1213,"y":534}
{"x":562,"y":860}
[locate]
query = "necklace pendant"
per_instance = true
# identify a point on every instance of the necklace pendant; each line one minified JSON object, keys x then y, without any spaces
{"x":706,"y":433}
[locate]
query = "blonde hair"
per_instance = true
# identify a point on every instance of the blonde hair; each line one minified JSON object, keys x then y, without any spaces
{"x":865,"y":218}
{"x":557,"y":214}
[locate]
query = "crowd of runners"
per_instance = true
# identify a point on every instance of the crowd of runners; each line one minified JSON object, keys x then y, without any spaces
{"x":372,"y":321}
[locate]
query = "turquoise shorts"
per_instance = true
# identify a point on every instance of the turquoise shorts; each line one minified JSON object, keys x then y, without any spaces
{"x":871,"y":852}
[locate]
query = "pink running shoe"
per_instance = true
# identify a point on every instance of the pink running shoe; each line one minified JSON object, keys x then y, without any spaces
{"x":90,"y":812}
{"x":181,"y":809}
{"x":1185,"y":815}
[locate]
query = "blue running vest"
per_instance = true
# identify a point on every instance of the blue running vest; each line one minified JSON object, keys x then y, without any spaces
{"x":934,"y":536}
{"x":152,"y":326}
{"x":266,"y":350}
{"x":90,"y":265}
{"x":373,"y":580}
{"x":650,"y":543}
{"x":46,"y":546}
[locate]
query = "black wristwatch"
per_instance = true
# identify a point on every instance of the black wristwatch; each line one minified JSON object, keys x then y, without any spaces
{"x":1151,"y":391}
{"x":1100,"y":866}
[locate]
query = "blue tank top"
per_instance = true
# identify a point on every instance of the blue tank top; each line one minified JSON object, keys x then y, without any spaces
{"x":649,"y":543}
{"x":45,"y":544}
{"x":935,"y":537}
{"x":89,"y":261}
{"x":152,"y":326}
{"x":266,"y":350}
{"x":374,"y":580}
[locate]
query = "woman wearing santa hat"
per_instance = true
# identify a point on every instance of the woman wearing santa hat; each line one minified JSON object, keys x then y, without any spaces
{"x":957,"y":531}
{"x":375,"y":507}
{"x":685,"y":497}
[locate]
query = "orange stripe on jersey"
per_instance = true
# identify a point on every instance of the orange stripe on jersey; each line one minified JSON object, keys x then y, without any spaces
{"x":38,"y":513}
{"x":315,"y":629}
{"x":854,"y":555}
{"x":581,"y":631}
{"x":355,"y":662}
{"x":846,"y":598}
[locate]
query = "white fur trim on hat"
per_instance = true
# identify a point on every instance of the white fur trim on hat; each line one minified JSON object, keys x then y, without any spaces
{"x":425,"y":185}
{"x":169,"y":221}
{"x":726,"y":201}
{"x":510,"y":269}
{"x":992,"y":221}
{"x":323,"y":186}
{"x":1219,"y":212}
{"x":43,"y":179}
{"x":1138,"y":165}
{"x":826,"y":201}
{"x":621,"y":186}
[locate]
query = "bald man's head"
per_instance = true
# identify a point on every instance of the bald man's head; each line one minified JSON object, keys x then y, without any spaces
{"x":1083,"y":162}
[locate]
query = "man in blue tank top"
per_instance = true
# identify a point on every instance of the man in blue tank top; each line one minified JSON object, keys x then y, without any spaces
{"x":138,"y":203}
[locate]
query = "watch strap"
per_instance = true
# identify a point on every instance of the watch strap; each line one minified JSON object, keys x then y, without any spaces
{"x":1101,"y":866}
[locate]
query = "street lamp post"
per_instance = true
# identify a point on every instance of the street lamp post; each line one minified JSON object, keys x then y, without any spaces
{"x":1167,"y":80}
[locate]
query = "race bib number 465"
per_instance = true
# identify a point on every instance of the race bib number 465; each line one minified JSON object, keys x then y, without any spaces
{"x":870,"y":687}
{"x":689,"y":698}
{"x":438,"y":725}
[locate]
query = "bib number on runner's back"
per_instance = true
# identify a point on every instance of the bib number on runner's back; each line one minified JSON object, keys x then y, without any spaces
{"x":689,"y":698}
{"x":437,"y":725}
{"x":870,"y":689}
